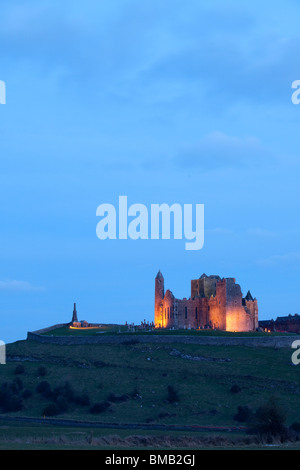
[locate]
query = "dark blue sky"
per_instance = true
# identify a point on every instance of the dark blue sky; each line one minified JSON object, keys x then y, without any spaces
{"x":162,"y":101}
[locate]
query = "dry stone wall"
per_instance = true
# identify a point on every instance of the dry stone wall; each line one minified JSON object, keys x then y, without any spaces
{"x":250,"y":341}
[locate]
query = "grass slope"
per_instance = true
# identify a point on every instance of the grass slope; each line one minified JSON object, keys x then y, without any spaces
{"x":142,"y":374}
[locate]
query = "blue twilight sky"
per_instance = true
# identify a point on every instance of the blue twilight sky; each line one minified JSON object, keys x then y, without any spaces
{"x":162,"y":101}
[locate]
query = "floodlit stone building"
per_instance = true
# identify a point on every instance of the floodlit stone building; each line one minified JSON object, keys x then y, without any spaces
{"x":215,"y":302}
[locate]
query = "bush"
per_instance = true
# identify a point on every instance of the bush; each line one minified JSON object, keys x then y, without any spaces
{"x":67,"y":391}
{"x":135,"y":394}
{"x":100,"y":407}
{"x":42,"y":371}
{"x":16,"y":385}
{"x":64,"y":390}
{"x":117,"y":399}
{"x":27,"y":393}
{"x":235,"y":388}
{"x":4,"y":393}
{"x":244,"y":413}
{"x":82,"y":400}
{"x":62,"y":404}
{"x":12,"y":403}
{"x":62,"y":395}
{"x":51,"y":410}
{"x":20,"y":369}
{"x":9,"y":396}
{"x":44,"y":388}
{"x":172,"y":395}
{"x":295,"y":427}
{"x":269,"y":420}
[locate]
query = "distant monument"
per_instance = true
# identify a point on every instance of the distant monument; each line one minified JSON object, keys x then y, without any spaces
{"x":75,"y":323}
{"x":74,"y":317}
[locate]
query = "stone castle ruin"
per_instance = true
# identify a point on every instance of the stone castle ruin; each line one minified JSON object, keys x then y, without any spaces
{"x":214,"y":303}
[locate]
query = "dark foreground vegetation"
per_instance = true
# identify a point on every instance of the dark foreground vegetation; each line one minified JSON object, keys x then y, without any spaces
{"x":254,"y":389}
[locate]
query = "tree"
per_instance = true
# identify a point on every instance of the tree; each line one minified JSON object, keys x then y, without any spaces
{"x":20,"y":369}
{"x":269,"y":420}
{"x":172,"y":396}
{"x":44,"y":388}
{"x":42,"y":371}
{"x":99,"y":407}
{"x":243,"y":414}
{"x":51,"y":410}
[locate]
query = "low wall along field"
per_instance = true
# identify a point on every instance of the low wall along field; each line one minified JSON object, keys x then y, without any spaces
{"x":201,"y":339}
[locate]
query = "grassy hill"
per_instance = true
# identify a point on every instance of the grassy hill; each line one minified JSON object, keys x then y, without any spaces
{"x":146,"y":383}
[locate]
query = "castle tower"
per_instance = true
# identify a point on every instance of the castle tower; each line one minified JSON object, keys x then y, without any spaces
{"x":159,"y":295}
{"x":74,"y":317}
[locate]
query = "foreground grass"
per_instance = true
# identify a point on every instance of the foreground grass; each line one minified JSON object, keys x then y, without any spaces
{"x":40,"y":437}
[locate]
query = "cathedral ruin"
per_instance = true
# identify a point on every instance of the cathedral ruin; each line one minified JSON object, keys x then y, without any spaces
{"x":215,"y":302}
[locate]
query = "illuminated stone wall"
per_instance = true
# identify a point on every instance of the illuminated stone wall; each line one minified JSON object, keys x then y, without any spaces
{"x":214,"y":303}
{"x":158,"y":301}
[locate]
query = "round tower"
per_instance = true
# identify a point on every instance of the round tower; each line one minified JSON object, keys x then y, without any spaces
{"x":159,"y":295}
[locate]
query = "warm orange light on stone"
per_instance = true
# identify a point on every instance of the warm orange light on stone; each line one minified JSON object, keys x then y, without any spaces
{"x":235,"y":321}
{"x":214,"y":303}
{"x":84,"y":327}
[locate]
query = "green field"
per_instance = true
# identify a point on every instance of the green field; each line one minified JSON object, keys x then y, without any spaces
{"x":132,"y":382}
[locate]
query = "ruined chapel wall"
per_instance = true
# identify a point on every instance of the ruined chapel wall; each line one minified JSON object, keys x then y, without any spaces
{"x":217,"y":307}
{"x":186,"y":313}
